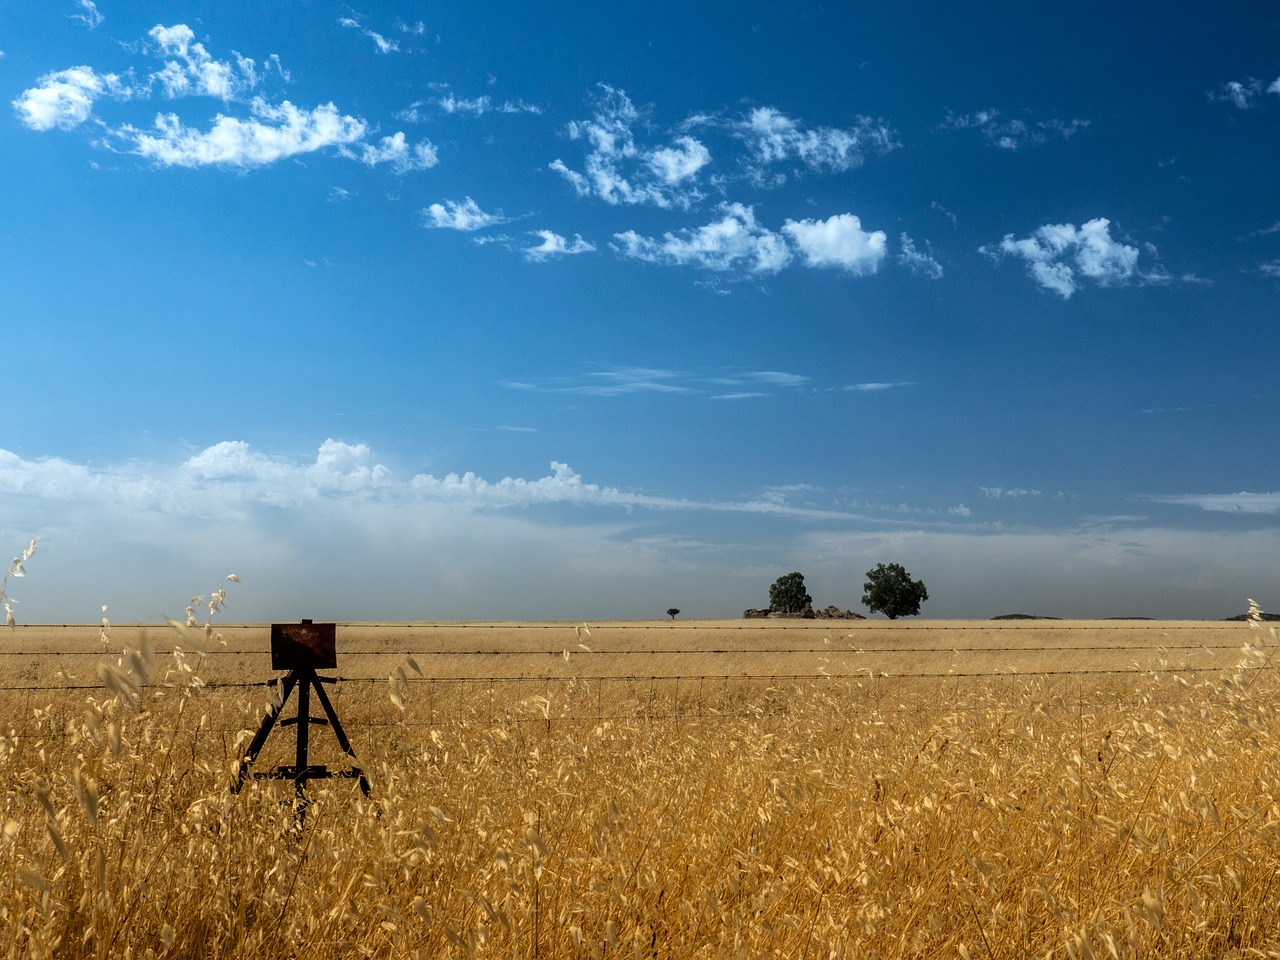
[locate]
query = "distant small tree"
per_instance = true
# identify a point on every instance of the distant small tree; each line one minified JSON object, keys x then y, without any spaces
{"x":672,"y":613}
{"x":787,"y":594}
{"x":891,"y":591}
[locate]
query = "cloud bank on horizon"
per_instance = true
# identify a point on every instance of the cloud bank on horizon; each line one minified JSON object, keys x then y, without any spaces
{"x":774,"y":318}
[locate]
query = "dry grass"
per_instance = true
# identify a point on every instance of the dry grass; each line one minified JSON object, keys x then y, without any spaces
{"x":923,"y":814}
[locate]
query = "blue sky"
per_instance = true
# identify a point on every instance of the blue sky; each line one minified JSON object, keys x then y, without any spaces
{"x":491,"y":311}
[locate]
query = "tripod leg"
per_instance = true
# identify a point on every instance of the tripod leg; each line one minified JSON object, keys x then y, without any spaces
{"x":264,"y":730}
{"x":341,"y":735}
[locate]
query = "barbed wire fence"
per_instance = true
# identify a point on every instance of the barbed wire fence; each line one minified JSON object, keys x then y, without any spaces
{"x":433,"y":701}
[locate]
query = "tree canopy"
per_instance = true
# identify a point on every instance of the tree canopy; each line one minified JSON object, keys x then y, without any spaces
{"x":891,"y":591}
{"x":787,"y":595}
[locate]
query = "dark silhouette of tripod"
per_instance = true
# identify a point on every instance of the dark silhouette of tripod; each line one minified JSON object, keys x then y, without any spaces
{"x":304,"y":680}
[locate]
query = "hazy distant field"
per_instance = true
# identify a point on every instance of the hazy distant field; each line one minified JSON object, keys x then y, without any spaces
{"x":681,"y":648}
{"x":662,"y":789}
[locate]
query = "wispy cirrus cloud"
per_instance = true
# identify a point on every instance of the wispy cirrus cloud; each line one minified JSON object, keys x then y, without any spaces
{"x":380,"y":43}
{"x":917,"y":261}
{"x":88,"y":14}
{"x":625,"y":381}
{"x":1008,"y":493}
{"x":1242,"y":502}
{"x":877,"y":386}
{"x":1016,"y":133}
{"x":1060,"y":257}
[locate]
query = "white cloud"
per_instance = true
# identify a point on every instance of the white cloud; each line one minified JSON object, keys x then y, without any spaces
{"x":466,"y":215}
{"x":633,"y":380}
{"x":1270,"y":269}
{"x":838,"y":241}
{"x":919,"y":263}
{"x":1226,"y":502}
{"x":452,"y":104}
{"x":382,"y":44}
{"x":65,"y":98}
{"x":273,"y":133}
{"x":554,"y":245}
{"x":876,"y":387}
{"x":1240,"y":93}
{"x":674,"y":164}
{"x":619,"y":171}
{"x":1016,"y":133}
{"x":775,"y":138}
{"x":476,"y":106}
{"x":614,"y":383}
{"x":735,"y":242}
{"x":338,"y":535}
{"x":1008,"y":493}
{"x":89,"y":14}
{"x":396,"y":151}
{"x":1059,"y":256}
{"x":194,"y":72}
{"x":773,"y":378}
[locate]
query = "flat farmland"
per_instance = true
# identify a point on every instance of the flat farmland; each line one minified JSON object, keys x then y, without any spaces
{"x":882,"y":649}
{"x":672,"y":789}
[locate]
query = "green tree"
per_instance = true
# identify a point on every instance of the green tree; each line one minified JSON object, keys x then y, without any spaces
{"x":787,"y":594}
{"x":672,"y":612}
{"x":891,"y":591}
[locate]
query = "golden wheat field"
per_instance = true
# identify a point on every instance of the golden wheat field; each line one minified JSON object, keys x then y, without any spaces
{"x":664,"y":789}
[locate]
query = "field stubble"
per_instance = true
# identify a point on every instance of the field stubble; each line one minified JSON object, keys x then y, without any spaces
{"x":655,"y":790}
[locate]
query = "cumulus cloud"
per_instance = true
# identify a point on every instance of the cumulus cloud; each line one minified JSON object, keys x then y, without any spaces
{"x":554,"y":245}
{"x":269,"y":132}
{"x":917,"y":262}
{"x":465,"y":215}
{"x":734,"y":242}
{"x":64,"y":99}
{"x":396,"y":151}
{"x":620,"y":171}
{"x":233,"y":475}
{"x":838,"y":241}
{"x":737,"y":242}
{"x":1015,"y":133}
{"x":194,"y":72}
{"x":1242,"y":94}
{"x":774,"y":138}
{"x":673,"y":164}
{"x":338,"y":535}
{"x":1059,"y":257}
